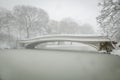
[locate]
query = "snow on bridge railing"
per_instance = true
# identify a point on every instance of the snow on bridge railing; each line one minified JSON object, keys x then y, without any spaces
{"x":69,"y":35}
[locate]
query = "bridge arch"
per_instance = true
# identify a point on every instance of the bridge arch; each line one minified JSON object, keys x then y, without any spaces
{"x":93,"y":41}
{"x":33,"y":44}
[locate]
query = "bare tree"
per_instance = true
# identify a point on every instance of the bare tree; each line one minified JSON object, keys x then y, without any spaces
{"x":30,"y":19}
{"x":6,"y":20}
{"x":109,"y":19}
{"x":52,"y":27}
{"x":85,"y":29}
{"x":68,"y":26}
{"x":6,"y":29}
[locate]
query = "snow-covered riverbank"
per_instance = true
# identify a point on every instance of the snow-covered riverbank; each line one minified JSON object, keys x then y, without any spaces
{"x":116,"y":52}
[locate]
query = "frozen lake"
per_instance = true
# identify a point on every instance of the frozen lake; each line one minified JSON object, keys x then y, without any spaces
{"x":58,"y":65}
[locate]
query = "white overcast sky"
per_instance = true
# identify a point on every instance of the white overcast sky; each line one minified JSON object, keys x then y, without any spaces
{"x":83,"y":11}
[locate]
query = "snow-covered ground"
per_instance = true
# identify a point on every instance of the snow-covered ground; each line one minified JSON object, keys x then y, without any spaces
{"x":72,"y":47}
{"x":80,"y":47}
{"x":116,"y":52}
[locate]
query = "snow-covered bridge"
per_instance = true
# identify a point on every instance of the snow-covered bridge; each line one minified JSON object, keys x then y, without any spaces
{"x":92,"y":40}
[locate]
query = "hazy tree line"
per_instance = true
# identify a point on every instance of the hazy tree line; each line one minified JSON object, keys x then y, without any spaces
{"x":109,"y":18}
{"x":24,"y":22}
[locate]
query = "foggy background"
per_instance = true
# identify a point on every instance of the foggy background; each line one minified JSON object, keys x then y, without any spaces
{"x":24,"y":19}
{"x":29,"y":19}
{"x":82,"y":11}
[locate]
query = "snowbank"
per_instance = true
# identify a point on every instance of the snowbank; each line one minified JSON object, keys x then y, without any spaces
{"x":116,"y":52}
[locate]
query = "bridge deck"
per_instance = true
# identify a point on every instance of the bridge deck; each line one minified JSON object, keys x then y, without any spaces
{"x":77,"y":38}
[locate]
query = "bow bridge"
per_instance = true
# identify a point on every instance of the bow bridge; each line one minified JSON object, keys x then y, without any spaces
{"x":92,"y":40}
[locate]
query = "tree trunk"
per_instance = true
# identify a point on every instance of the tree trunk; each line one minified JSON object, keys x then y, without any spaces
{"x":28,"y":33}
{"x":9,"y":33}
